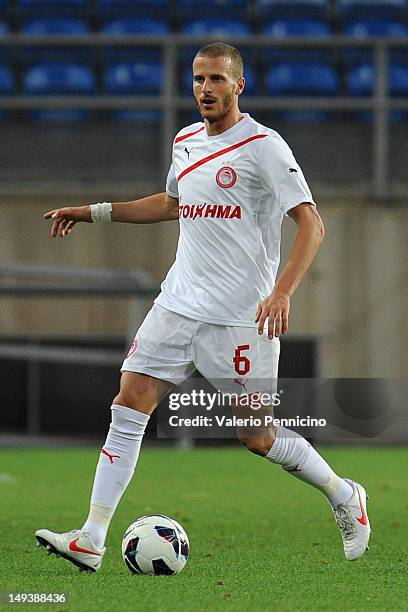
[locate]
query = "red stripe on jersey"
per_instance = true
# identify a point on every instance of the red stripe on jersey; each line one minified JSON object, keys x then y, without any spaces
{"x":221,"y":152}
{"x":180,"y":138}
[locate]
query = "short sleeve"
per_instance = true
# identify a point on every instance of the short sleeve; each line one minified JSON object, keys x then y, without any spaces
{"x":171,"y":183}
{"x":281,"y":175}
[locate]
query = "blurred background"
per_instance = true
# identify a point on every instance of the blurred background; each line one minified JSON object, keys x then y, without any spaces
{"x":92,"y":93}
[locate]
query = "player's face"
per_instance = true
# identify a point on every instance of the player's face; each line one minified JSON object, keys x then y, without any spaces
{"x":215,"y":88}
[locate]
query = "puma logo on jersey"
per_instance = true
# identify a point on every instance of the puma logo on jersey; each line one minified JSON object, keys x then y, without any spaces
{"x":292,"y":170}
{"x":188,"y":152}
{"x":214,"y":211}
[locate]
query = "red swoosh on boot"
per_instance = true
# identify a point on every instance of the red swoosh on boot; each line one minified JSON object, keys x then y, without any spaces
{"x":75,"y":548}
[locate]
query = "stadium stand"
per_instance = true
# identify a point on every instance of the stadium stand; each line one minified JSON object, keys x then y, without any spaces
{"x":31,"y":9}
{"x":288,"y":28}
{"x":4,"y":28}
{"x":50,"y":26}
{"x":3,"y":8}
{"x":7,"y":86}
{"x":55,"y":79}
{"x":298,"y":72}
{"x":219,"y":9}
{"x":371,"y":9}
{"x":365,"y":29}
{"x":293,"y":9}
{"x":216,"y":27}
{"x":7,"y":83}
{"x":120,"y":9}
{"x":360,"y":80}
{"x":141,"y":78}
{"x":302,"y":79}
{"x":5,"y":52}
{"x":125,"y":27}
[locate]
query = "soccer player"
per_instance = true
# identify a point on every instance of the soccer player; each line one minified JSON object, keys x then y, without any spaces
{"x":221,"y":308}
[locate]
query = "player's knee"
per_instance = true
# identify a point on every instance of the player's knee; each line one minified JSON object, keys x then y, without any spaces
{"x":138,"y":392}
{"x":134,"y":401}
{"x":259,"y":445}
{"x":127,"y":400}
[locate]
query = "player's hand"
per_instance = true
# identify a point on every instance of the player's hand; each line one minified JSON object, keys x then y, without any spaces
{"x":65,"y":219}
{"x":275,"y":308}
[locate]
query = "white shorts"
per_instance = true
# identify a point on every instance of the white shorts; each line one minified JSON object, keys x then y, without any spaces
{"x":170,"y":347}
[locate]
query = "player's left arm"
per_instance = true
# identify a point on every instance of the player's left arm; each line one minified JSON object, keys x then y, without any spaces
{"x":310,"y":233}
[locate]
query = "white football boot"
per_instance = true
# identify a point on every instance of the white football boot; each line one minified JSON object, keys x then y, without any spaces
{"x":76,"y":546}
{"x":352,"y":520}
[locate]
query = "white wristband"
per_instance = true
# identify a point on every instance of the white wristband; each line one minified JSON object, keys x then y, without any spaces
{"x":102,"y":212}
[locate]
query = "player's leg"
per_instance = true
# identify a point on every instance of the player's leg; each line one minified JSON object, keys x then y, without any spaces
{"x":250,"y":361}
{"x":157,"y":360}
{"x":347,"y":498}
{"x":138,"y":396}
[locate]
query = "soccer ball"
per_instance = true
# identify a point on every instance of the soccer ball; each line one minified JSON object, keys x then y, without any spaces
{"x":155,"y":544}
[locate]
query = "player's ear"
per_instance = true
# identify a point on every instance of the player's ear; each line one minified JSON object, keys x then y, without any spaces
{"x":240,"y":86}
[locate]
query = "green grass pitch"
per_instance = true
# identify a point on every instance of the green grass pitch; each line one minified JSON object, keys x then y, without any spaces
{"x":259,"y":538}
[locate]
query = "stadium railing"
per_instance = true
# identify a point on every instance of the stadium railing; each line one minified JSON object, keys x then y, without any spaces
{"x":170,"y":102}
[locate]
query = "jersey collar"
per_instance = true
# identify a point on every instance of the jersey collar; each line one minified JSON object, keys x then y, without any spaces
{"x":234,"y":128}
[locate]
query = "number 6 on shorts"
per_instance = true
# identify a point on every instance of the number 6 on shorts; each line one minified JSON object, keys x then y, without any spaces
{"x":241,"y":362}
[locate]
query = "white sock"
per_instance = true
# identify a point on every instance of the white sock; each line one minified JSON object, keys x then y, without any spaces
{"x":115,"y":469}
{"x":299,"y":458}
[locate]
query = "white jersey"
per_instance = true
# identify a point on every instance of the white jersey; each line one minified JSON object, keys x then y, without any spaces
{"x":234,"y":189}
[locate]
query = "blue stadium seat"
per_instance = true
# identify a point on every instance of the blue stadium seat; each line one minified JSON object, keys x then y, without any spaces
{"x":47,"y":26}
{"x":188,"y":9}
{"x":365,"y":29}
{"x":59,"y":79}
{"x":50,"y":26}
{"x":220,"y":28}
{"x":61,"y":116}
{"x":7,"y":81}
{"x":5,"y":52}
{"x":302,"y":79}
{"x":296,"y":27}
{"x":125,"y":27}
{"x":371,"y":9}
{"x":187,"y":53}
{"x":137,"y":116}
{"x":306,"y":116}
{"x":250,"y":81}
{"x":293,"y":9}
{"x":360,"y":80}
{"x":216,"y":27}
{"x":146,"y":27}
{"x":288,"y":28}
{"x":120,"y":9}
{"x":142,"y":78}
{"x":3,"y":8}
{"x":51,"y":8}
{"x":7,"y":86}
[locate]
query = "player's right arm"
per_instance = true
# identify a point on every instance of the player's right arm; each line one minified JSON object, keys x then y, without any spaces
{"x":152,"y":209}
